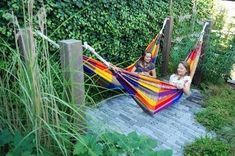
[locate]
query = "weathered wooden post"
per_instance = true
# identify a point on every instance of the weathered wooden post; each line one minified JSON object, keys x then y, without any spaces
{"x":26,"y":44}
{"x":31,"y":71}
{"x":198,"y":74}
{"x":27,"y":49}
{"x":166,"y":45}
{"x":72,"y":67}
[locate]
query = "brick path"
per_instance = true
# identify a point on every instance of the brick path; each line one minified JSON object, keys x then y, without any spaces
{"x":172,"y":127}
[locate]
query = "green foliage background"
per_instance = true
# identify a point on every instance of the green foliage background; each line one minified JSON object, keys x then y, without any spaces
{"x":207,"y":146}
{"x":108,"y":143}
{"x":218,"y":116}
{"x":120,"y":30}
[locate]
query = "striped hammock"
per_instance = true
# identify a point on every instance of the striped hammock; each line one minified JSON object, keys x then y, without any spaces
{"x":151,"y":94}
{"x":103,"y":71}
{"x":153,"y":48}
{"x":93,"y":66}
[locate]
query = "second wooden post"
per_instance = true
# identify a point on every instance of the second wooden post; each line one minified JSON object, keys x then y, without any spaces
{"x":166,"y":45}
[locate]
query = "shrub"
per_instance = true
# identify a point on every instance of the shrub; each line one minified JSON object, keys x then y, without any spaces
{"x":228,"y":135}
{"x":219,"y":110}
{"x":207,"y":146}
{"x":218,"y":115}
{"x":16,"y":144}
{"x":112,"y":143}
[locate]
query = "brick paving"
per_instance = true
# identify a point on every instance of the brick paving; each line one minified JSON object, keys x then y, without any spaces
{"x":173,"y":127}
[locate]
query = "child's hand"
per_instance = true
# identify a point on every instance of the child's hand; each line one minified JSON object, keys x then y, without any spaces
{"x":179,"y":86}
{"x":144,"y":73}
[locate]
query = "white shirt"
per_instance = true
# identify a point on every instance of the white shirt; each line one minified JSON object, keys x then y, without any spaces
{"x":175,"y":80}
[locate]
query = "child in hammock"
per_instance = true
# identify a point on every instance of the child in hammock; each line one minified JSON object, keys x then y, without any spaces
{"x":144,"y":65}
{"x":181,"y":79}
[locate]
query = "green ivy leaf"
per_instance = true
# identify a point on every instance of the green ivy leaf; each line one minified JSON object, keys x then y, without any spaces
{"x":79,"y":149}
{"x":10,"y":154}
{"x":26,"y":153}
{"x":5,"y":137}
{"x":7,"y":16}
{"x":164,"y":153}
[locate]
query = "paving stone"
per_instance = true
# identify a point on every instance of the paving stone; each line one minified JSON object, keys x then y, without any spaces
{"x":173,"y":127}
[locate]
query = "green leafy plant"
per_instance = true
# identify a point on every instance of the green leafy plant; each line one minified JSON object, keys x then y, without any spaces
{"x":207,"y":146}
{"x":219,"y":108}
{"x":17,"y":145}
{"x":228,"y":135}
{"x":218,"y":115}
{"x":112,"y":143}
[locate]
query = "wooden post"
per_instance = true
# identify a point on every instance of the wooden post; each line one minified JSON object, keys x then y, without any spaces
{"x":72,"y":66}
{"x":198,"y":74}
{"x":26,"y":45}
{"x":170,"y":7}
{"x":28,"y":55}
{"x":31,"y":71}
{"x":166,"y":45}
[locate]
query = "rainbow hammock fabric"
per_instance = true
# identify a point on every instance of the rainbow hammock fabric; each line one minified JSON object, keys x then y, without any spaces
{"x":151,"y":94}
{"x":92,"y":66}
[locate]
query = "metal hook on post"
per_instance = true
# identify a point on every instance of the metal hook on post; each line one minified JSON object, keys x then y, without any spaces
{"x":163,"y":25}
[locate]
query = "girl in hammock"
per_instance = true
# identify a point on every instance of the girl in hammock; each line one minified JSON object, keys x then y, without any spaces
{"x":144,"y":65}
{"x":181,"y":79}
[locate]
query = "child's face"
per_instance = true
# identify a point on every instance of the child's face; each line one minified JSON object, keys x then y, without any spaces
{"x":181,"y":70}
{"x":147,"y":57}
